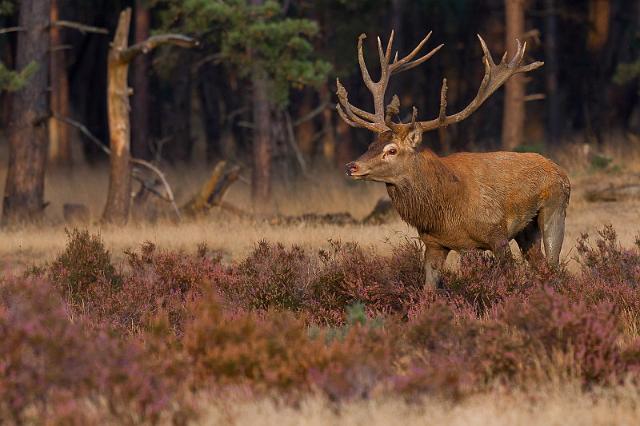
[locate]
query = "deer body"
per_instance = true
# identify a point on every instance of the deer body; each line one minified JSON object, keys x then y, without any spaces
{"x":465,"y":200}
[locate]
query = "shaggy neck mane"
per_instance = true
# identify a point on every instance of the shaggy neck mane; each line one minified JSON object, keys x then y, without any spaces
{"x":425,"y":194}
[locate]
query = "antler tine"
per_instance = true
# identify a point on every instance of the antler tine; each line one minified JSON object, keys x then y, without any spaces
{"x":392,"y":109}
{"x":415,"y":51}
{"x":517,"y":57}
{"x":485,"y":51}
{"x":494,"y":77}
{"x":346,"y":119}
{"x":378,"y":121}
{"x":387,"y":54}
{"x":414,"y":116}
{"x":354,"y":116}
{"x":413,"y":64}
{"x":383,"y":57}
{"x":443,"y":102}
{"x":504,"y":57}
{"x":366,"y":77}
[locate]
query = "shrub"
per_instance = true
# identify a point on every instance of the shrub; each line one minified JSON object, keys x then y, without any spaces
{"x":161,"y":283}
{"x":608,"y":261}
{"x":346,"y":322}
{"x":273,"y":277}
{"x":52,"y":366}
{"x":551,"y":323}
{"x":350,"y":274}
{"x":484,"y":281}
{"x":84,"y":264}
{"x":272,"y":351}
{"x":275,"y":350}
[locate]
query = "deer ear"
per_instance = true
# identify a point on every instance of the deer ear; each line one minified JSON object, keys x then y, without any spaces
{"x":414,"y":137}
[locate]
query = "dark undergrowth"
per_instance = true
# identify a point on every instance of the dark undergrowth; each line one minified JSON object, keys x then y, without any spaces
{"x":84,"y":341}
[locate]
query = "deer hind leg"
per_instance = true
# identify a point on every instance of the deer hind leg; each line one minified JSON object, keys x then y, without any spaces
{"x":551,"y":222}
{"x":529,"y":241}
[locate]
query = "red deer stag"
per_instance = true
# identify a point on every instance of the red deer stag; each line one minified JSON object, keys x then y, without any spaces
{"x":465,"y":200}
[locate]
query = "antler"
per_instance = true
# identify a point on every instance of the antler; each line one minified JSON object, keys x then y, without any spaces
{"x":494,"y":77}
{"x":377,"y":121}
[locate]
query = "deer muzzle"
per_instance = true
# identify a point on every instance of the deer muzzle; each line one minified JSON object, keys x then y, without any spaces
{"x":354,"y":170}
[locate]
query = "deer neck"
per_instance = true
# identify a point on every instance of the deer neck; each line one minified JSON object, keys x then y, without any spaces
{"x":425,"y":196}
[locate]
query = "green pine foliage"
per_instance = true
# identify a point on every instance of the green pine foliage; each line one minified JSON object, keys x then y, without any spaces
{"x":12,"y":81}
{"x":7,"y":7}
{"x":255,"y":39}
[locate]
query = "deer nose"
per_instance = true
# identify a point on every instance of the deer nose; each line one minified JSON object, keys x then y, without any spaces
{"x":351,"y":168}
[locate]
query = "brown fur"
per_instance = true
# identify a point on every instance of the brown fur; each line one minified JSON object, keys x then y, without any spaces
{"x":463,"y":201}
{"x":470,"y":200}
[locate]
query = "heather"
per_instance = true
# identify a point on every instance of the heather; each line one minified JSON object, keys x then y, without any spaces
{"x":87,"y":339}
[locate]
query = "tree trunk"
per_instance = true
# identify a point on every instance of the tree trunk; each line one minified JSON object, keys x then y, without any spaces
{"x":176,"y":114}
{"x":513,"y":116}
{"x":262,"y":150}
{"x":59,"y":133}
{"x":120,"y":56}
{"x":328,"y":129}
{"x":210,"y":102}
{"x":140,"y":99}
{"x":599,"y":21}
{"x":344,"y":149}
{"x":554,"y":118}
{"x":24,"y":190}
{"x":306,"y":130}
{"x":119,"y":195}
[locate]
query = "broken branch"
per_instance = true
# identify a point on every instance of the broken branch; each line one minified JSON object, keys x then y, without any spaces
{"x":152,"y":42}
{"x":83,"y":129}
{"x":11,"y":30}
{"x":80,"y":27}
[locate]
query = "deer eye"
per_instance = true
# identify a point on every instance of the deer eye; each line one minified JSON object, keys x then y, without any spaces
{"x":392,"y":151}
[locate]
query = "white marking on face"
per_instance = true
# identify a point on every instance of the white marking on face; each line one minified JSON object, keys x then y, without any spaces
{"x":389,"y":150}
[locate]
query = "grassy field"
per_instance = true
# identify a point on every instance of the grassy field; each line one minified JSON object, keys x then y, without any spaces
{"x":329,"y":193}
{"x":564,"y":405}
{"x":101,"y":327}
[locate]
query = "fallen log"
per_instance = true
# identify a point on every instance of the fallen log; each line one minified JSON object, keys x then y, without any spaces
{"x":213,"y":191}
{"x":614,"y":193}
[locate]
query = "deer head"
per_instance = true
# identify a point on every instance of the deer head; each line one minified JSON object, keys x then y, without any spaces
{"x":396,"y":142}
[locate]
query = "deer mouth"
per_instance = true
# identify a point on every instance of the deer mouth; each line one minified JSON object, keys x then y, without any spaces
{"x":358,"y":176}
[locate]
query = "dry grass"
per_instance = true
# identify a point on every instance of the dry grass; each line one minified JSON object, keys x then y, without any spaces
{"x":564,"y":405}
{"x":330,"y":192}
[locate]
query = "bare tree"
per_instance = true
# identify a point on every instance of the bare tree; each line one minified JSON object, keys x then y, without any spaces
{"x":120,"y":56}
{"x":513,"y":117}
{"x":24,"y":190}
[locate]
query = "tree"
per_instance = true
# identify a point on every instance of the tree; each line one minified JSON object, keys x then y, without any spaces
{"x":554,"y":118}
{"x":140,"y":107}
{"x":120,"y":56}
{"x":513,"y":116}
{"x":59,"y":136}
{"x":265,"y":47}
{"x":24,"y":190}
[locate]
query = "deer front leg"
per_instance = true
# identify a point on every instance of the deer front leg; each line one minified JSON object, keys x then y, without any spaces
{"x":434,"y":257}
